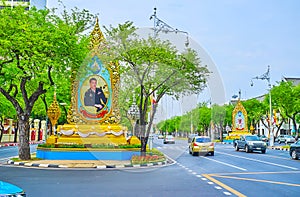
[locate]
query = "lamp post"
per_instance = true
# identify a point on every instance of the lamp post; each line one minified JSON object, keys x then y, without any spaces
{"x":161,"y":26}
{"x":266,"y":76}
{"x":133,"y":113}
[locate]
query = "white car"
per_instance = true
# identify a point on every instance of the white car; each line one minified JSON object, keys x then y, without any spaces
{"x":169,"y":139}
{"x":285,"y":139}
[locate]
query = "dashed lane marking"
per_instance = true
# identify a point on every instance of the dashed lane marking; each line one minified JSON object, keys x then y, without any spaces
{"x":226,"y":164}
{"x":209,"y":177}
{"x":227,"y":193}
{"x":218,"y":187}
{"x":257,"y":160}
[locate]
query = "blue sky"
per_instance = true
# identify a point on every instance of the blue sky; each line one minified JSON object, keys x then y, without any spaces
{"x":242,"y":37}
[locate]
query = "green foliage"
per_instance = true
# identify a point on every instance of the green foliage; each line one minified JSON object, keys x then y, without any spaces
{"x":150,"y":65}
{"x":39,"y":50}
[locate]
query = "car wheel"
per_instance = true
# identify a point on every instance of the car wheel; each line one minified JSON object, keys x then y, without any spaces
{"x":263,"y":151}
{"x":190,"y":150}
{"x":212,"y":153}
{"x":195,"y":153}
{"x":279,"y":141}
{"x":294,"y":155}
{"x":247,"y":149}
{"x":236,"y":148}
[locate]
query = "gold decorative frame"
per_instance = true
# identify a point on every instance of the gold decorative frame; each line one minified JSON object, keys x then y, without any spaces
{"x":74,"y":116}
{"x":239,"y":107}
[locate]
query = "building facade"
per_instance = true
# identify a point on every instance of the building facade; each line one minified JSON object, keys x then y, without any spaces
{"x":39,"y":4}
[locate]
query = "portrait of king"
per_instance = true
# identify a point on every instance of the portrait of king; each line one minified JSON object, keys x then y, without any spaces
{"x":94,"y":94}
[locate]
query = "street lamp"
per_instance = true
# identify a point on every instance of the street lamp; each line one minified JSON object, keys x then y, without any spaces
{"x":266,"y":76}
{"x":161,"y":26}
{"x":133,"y":113}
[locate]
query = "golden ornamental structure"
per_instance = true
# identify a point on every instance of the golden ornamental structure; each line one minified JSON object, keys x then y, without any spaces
{"x":54,"y":111}
{"x":239,"y":122}
{"x":94,"y":115}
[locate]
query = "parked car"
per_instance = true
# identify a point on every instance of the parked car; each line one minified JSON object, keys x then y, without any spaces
{"x":8,"y":189}
{"x":295,"y":150}
{"x":264,"y":138}
{"x":169,"y":139}
{"x":201,"y":145}
{"x":285,"y":139}
{"x":160,"y":137}
{"x":191,"y":137}
{"x":250,"y":143}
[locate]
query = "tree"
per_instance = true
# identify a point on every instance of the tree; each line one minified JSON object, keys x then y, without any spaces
{"x":286,"y":96}
{"x":38,"y":49}
{"x":218,"y":117}
{"x":152,"y":66}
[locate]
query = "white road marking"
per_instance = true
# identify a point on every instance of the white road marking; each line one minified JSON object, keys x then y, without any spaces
{"x":194,"y":173}
{"x":218,"y":187}
{"x":190,"y":170}
{"x":199,"y":176}
{"x":211,"y":183}
{"x":257,"y":160}
{"x":226,"y":164}
{"x":204,"y":179}
{"x":227,"y":193}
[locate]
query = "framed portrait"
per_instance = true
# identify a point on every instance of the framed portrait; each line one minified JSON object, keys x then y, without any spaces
{"x":94,"y":94}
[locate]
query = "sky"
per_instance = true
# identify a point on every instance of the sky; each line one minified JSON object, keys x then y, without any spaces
{"x":241,"y":37}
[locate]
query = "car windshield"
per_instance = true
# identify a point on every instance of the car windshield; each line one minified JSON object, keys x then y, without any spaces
{"x":288,"y":136}
{"x":202,"y":140}
{"x":252,"y":138}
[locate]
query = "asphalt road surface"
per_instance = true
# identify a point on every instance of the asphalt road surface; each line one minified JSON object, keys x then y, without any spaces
{"x":11,"y":151}
{"x":228,"y":173}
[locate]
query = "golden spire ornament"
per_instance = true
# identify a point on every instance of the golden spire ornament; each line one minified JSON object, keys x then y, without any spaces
{"x":54,"y":111}
{"x":96,"y":36}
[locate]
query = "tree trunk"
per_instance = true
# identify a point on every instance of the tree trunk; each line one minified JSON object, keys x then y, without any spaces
{"x":24,"y":148}
{"x":144,"y":141}
{"x":16,"y":133}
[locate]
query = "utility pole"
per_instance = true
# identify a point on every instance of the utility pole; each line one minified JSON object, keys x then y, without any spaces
{"x":266,"y":76}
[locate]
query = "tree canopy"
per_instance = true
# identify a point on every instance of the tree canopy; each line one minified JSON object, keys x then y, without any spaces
{"x":153,"y":67}
{"x":38,"y":50}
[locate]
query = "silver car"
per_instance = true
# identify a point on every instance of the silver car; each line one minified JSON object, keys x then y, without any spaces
{"x":285,"y":139}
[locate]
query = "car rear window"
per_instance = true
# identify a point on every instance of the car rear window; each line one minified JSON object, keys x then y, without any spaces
{"x":202,"y":140}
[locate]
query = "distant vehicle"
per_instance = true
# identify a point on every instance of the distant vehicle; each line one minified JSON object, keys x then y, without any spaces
{"x":285,"y":139}
{"x":264,"y":138}
{"x":201,"y":145}
{"x":250,"y":143}
{"x":10,"y":190}
{"x":169,"y":139}
{"x":160,"y":137}
{"x":295,"y":150}
{"x":191,"y":137}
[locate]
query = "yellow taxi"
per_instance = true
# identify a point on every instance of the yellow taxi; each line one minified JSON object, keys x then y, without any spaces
{"x":202,"y":145}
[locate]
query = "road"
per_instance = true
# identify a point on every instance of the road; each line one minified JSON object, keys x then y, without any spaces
{"x":12,"y":151}
{"x":228,"y":173}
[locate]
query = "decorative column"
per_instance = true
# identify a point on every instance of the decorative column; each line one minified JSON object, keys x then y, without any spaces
{"x":10,"y":129}
{"x":44,"y":129}
{"x":53,"y":114}
{"x":36,"y":127}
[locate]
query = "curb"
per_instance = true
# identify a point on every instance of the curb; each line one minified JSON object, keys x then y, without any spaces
{"x":17,"y":144}
{"x":28,"y":164}
{"x":279,"y":148}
